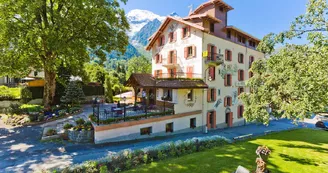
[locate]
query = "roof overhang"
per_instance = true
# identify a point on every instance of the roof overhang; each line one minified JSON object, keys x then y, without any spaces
{"x":203,"y":16}
{"x":243,"y":32}
{"x":212,"y":2}
{"x":161,"y":29}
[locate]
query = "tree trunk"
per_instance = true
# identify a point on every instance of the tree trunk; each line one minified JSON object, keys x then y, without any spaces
{"x":49,"y":87}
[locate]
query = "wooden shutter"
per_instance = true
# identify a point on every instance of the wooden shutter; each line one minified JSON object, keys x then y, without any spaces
{"x":160,"y":73}
{"x":225,"y":102}
{"x":159,"y":41}
{"x":225,"y":80}
{"x":174,"y":36}
{"x":226,"y":55}
{"x":186,"y":52}
{"x":242,"y":75}
{"x":239,"y":77}
{"x":209,"y":46}
{"x":209,"y":95}
{"x":238,"y":111}
{"x":208,"y":120}
{"x":182,"y":32}
{"x":230,"y":78}
{"x":189,"y":31}
{"x":214,"y":92}
{"x":169,"y":58}
{"x":193,"y":50}
{"x":175,"y":72}
{"x":230,"y":101}
{"x":163,"y":41}
{"x":175,"y":57}
{"x":215,"y":52}
{"x":214,"y":119}
{"x":160,"y":58}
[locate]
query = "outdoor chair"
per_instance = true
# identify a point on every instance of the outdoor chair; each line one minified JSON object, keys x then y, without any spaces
{"x":107,"y":112}
{"x":241,"y":169}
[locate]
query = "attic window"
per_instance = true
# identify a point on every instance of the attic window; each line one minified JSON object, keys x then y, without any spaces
{"x":211,"y":27}
{"x":221,"y":9}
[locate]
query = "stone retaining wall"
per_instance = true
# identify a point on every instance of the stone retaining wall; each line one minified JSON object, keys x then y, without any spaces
{"x":83,"y":136}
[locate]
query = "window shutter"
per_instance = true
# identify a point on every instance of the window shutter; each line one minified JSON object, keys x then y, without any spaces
{"x":174,"y":36}
{"x":208,"y":95}
{"x":242,"y":111}
{"x":186,"y":52}
{"x":214,"y":94}
{"x":191,"y":69}
{"x":225,"y":80}
{"x":230,"y":101}
{"x":226,"y":54}
{"x":175,"y":57}
{"x":238,"y":111}
{"x":209,"y":51}
{"x":182,"y":33}
{"x":215,"y":53}
{"x":189,"y":31}
{"x":242,"y":75}
{"x":194,"y":51}
{"x":163,"y":40}
{"x":208,"y":120}
{"x":168,"y":58}
{"x":160,"y":58}
{"x":231,"y":117}
{"x":230,"y":77}
{"x":225,"y":101}
{"x":214,"y":119}
{"x":160,"y":73}
{"x":239,"y":78}
{"x":159,"y":41}
{"x":174,"y":72}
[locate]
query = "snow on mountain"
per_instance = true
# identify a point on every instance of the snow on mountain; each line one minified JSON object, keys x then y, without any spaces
{"x":139,"y":18}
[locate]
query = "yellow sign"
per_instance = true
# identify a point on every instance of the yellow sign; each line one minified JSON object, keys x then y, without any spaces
{"x":205,"y":54}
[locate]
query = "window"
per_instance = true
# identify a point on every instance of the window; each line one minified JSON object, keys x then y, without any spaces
{"x":211,"y":73}
{"x":185,"y":32}
{"x":251,"y":43}
{"x":250,"y":74}
{"x":158,"y":58}
{"x":251,"y":60}
{"x":211,"y":27}
{"x":229,"y":34}
{"x":228,"y":80}
{"x":190,"y":71}
{"x":227,"y":101}
{"x":212,"y":52}
{"x":241,"y":39}
{"x":211,"y":95}
{"x":169,"y":128}
{"x":171,"y":37}
{"x":172,"y":72}
{"x":241,"y":58}
{"x":146,"y":131}
{"x":190,"y":95}
{"x":158,"y":73}
{"x":190,"y":51}
{"x":193,"y":123}
{"x":168,"y":94}
{"x":161,"y":41}
{"x":240,"y":111}
{"x":240,"y":75}
{"x":240,"y":90}
{"x":221,"y":9}
{"x":228,"y":55}
{"x":171,"y":57}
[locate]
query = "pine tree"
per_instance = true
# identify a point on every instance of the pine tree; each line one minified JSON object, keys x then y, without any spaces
{"x":73,"y":93}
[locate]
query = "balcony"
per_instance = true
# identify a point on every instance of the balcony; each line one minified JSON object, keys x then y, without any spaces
{"x":214,"y":59}
{"x":171,"y":63}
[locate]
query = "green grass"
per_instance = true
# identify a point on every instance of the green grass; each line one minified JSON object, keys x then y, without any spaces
{"x":301,"y":151}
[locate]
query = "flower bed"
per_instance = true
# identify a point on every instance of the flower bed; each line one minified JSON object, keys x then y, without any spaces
{"x":127,"y":159}
{"x":93,"y":118}
{"x":82,"y":133}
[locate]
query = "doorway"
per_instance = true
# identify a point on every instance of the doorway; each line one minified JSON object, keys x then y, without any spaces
{"x":229,"y":119}
{"x":211,"y":120}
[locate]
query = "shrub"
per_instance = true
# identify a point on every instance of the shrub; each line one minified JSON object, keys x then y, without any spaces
{"x":26,"y":95}
{"x":14,"y":108}
{"x":91,"y":167}
{"x":103,"y":169}
{"x":51,"y":132}
{"x":68,"y":126}
{"x":40,"y":117}
{"x":9,"y":93}
{"x":80,"y":121}
{"x":31,"y":108}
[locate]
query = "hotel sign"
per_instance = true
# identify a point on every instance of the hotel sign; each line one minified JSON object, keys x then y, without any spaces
{"x":205,"y":54}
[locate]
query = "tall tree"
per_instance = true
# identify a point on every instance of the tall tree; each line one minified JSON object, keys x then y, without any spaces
{"x":293,"y":82}
{"x":138,"y":65}
{"x":44,"y":34}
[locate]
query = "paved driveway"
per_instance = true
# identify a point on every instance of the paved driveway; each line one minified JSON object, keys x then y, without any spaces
{"x":21,"y":150}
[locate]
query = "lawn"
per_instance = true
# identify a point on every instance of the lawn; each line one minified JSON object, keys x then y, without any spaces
{"x":301,"y":151}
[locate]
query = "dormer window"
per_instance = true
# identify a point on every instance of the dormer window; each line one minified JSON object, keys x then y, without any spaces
{"x":211,"y":27}
{"x":241,"y":39}
{"x":221,"y":9}
{"x":251,"y":43}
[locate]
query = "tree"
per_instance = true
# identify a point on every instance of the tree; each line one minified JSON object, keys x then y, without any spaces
{"x":293,"y":82}
{"x":43,"y":34}
{"x":95,"y":73}
{"x":138,"y":65}
{"x":73,"y":93}
{"x":109,"y":90}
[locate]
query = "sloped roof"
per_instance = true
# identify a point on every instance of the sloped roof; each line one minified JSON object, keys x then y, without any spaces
{"x":148,"y":81}
{"x":243,"y":32}
{"x":168,"y":19}
{"x":218,"y":2}
{"x":205,"y":15}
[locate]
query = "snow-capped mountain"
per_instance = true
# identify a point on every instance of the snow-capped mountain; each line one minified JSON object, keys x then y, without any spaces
{"x":139,"y":18}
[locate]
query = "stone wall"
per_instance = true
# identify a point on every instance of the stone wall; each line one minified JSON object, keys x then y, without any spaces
{"x":83,"y":136}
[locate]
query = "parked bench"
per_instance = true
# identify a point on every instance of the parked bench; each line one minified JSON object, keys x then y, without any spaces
{"x":242,"y":137}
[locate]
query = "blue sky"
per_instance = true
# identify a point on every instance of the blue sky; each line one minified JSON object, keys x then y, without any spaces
{"x":257,"y":17}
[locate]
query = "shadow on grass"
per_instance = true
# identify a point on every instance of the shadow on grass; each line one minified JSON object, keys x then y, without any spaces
{"x":286,"y":157}
{"x":317,"y":149}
